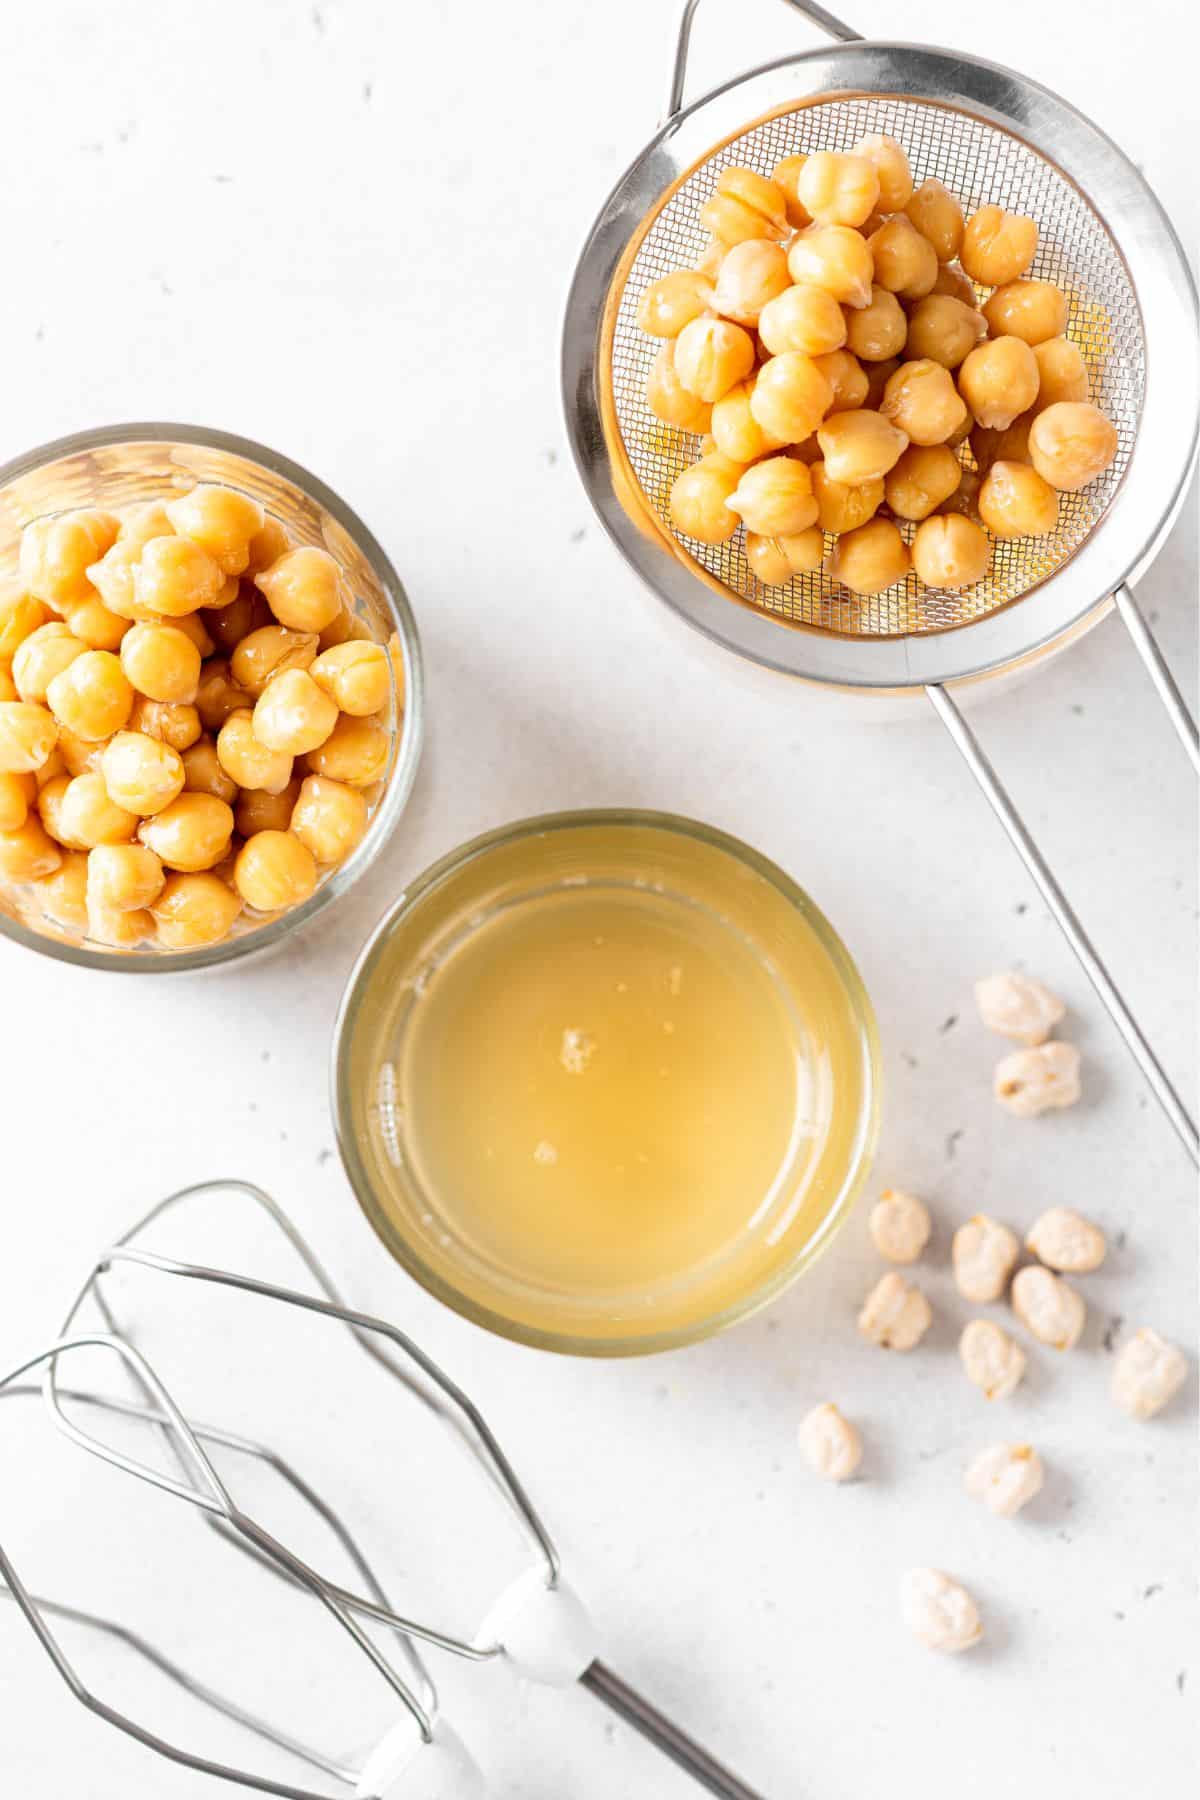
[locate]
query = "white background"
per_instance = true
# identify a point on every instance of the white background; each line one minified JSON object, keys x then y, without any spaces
{"x":347,"y":230}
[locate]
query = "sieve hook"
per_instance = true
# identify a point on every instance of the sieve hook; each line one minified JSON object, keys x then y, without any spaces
{"x":808,"y":9}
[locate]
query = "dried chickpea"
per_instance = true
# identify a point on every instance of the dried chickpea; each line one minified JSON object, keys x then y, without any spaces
{"x":952,"y":282}
{"x":847,"y":377}
{"x":900,"y":1226}
{"x":266,"y":546}
{"x":20,"y":616}
{"x":774,"y":560}
{"x":711,"y":355}
{"x":62,"y":895}
{"x":122,"y":878}
{"x":804,"y":318}
{"x":247,"y":760}
{"x":786,"y":175}
{"x":218,"y":696}
{"x":161,"y":662}
{"x":1014,"y":501}
{"x":228,"y":625}
{"x":274,"y":869}
{"x":790,"y":397}
{"x":950,"y":552}
{"x":999,"y":381}
{"x":1067,"y":1242}
{"x":138,"y":524}
{"x":878,"y":330}
{"x":257,"y":810}
{"x":736,"y":432}
{"x":924,"y":477}
{"x":833,"y":257}
{"x":356,"y":675}
{"x":878,"y":376}
{"x":219,"y":519}
{"x":923,"y":402}
{"x":895,"y":1315}
{"x":842,"y":505}
{"x":830,"y":1443}
{"x":1034,"y":311}
{"x":93,"y":622}
{"x":268,"y":652}
{"x":43,"y":655}
{"x":944,"y":330}
{"x":293,"y":714}
{"x":55,"y":555}
{"x":1072,"y":443}
{"x":673,"y":301}
{"x":92,"y":696}
{"x":169,"y":721}
{"x":891,"y":167}
{"x":872,"y":558}
{"x":745,"y":205}
{"x":193,"y":910}
{"x":356,"y":751}
{"x":190,"y":834}
{"x":1062,"y":371}
{"x":984,"y":1253}
{"x":1034,"y":1081}
{"x":860,"y":446}
{"x":174,"y":576}
{"x":997,"y":246}
{"x":775,"y":496}
{"x":17,"y":795}
{"x":119,"y":930}
{"x":203,"y":774}
{"x":329,"y":818}
{"x":88,"y":815}
{"x":905,"y":262}
{"x":838,"y":188}
{"x":991,"y":1359}
{"x":751,"y":274}
{"x":939,"y":1612}
{"x":28,"y":853}
{"x":141,"y":774}
{"x":1048,"y":1307}
{"x":1018,"y":1007}
{"x":49,"y":810}
{"x":27,"y":736}
{"x":669,"y":400}
{"x":1147,"y":1374}
{"x":937,"y":215}
{"x":698,"y":496}
{"x":1005,"y":1477}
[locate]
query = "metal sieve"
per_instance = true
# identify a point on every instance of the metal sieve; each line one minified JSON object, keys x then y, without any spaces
{"x":991,"y":136}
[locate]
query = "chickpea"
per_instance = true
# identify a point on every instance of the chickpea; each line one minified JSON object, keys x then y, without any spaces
{"x":878,"y":376}
{"x":711,"y":355}
{"x":303,"y":587}
{"x":112,"y":577}
{"x":93,"y":622}
{"x":922,"y":401}
{"x":991,"y":1359}
{"x":790,"y":397}
{"x":20,"y":616}
{"x":174,"y":576}
{"x":195,"y":631}
{"x":806,"y":451}
{"x":329,"y":818}
{"x":892,"y":169}
{"x":984,"y":1253}
{"x":1034,"y":311}
{"x":257,"y":810}
{"x":274,"y":869}
{"x":954,"y":284}
{"x":266,"y":546}
{"x":937,"y":215}
{"x":122,"y":877}
{"x":999,"y":381}
{"x":745,"y":205}
{"x":847,"y":377}
{"x":43,"y":655}
{"x":838,"y":188}
{"x":193,"y":910}
{"x":119,"y":930}
{"x":17,"y":794}
{"x":670,"y":303}
{"x":669,"y":400}
{"x":8,"y":687}
{"x":1071,"y":444}
{"x":830,"y":1443}
{"x":1048,"y":1307}
{"x":203,"y":774}
{"x":356,"y":750}
{"x":900,"y":1226}
{"x":895,"y":1315}
{"x":91,"y":696}
{"x":1010,"y":445}
{"x":1014,"y":501}
{"x":356,"y":675}
{"x":1005,"y":1477}
{"x":190,"y":834}
{"x":88,"y":815}
{"x":775,"y":496}
{"x":1031,"y":1081}
{"x":228,"y":625}
{"x":218,"y":695}
{"x":965,"y":498}
{"x":247,"y":760}
{"x":924,"y":477}
{"x":878,"y":330}
{"x":55,"y":555}
{"x":49,"y":810}
{"x":774,"y":560}
{"x":62,"y":895}
{"x":1147,"y":1374}
{"x":997,"y":246}
{"x":751,"y":274}
{"x":293,"y":714}
{"x":219,"y":519}
{"x":168,"y":721}
{"x":736,"y":433}
{"x":161,"y":662}
{"x":698,"y":497}
{"x":345,"y":627}
{"x":1062,"y":372}
{"x":141,"y":774}
{"x":138,"y":524}
{"x":1067,"y":1242}
{"x":943,"y":330}
{"x":939,"y":1612}
{"x":905,"y":262}
{"x":27,"y":736}
{"x":871,"y":558}
{"x":860,"y":446}
{"x":267,"y":652}
{"x":1018,"y":1007}
{"x":28,"y":853}
{"x":833,"y":257}
{"x":951,"y":552}
{"x":844,"y":506}
{"x":786,"y":175}
{"x":78,"y":754}
{"x":806,"y":318}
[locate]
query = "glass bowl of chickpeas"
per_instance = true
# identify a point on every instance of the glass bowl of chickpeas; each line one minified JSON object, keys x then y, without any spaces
{"x":210,"y":698}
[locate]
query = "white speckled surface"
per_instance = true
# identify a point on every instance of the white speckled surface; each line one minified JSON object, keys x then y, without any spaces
{"x":347,"y":231}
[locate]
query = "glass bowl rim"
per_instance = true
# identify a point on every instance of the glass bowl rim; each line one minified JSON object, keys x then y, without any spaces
{"x":568,"y":1343}
{"x":408,"y":752}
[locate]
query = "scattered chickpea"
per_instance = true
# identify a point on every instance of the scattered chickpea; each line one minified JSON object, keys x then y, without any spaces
{"x":924,"y":477}
{"x":141,"y":774}
{"x":669,"y":400}
{"x":879,"y":329}
{"x":984,"y":1254}
{"x":999,"y":381}
{"x":745,"y":205}
{"x":122,"y":877}
{"x":838,"y":188}
{"x":905,"y":262}
{"x":895,"y":1315}
{"x":997,"y":246}
{"x":892,"y":169}
{"x":1018,"y":1007}
{"x":830,"y":1443}
{"x":1147,"y":1374}
{"x":1033,"y":311}
{"x":303,"y":588}
{"x":841,"y":505}
{"x":27,"y":736}
{"x":293,"y":714}
{"x":247,"y":760}
{"x":1067,"y":1242}
{"x":92,"y":696}
{"x":698,"y":496}
{"x":673,"y":302}
{"x":356,"y":752}
{"x":194,"y":910}
{"x":162,"y":662}
{"x":775,"y":496}
{"x":1005,"y":1477}
{"x":752,"y":273}
{"x":847,"y":379}
{"x":900,"y":1226}
{"x":1032,"y":1081}
{"x":938,"y":216}
{"x":790,"y":397}
{"x":275,"y":870}
{"x":992,"y":1361}
{"x":41,"y":656}
{"x":775,"y":560}
{"x":806,"y":318}
{"x":1071,"y":444}
{"x":836,"y":258}
{"x":1062,"y":372}
{"x":939,"y":1612}
{"x":29,"y":852}
{"x":872,"y":558}
{"x":943,"y":330}
{"x":1048,"y":1307}
{"x":1014,"y":501}
{"x":190,"y":834}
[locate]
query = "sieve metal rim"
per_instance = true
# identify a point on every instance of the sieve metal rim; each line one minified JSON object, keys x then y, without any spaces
{"x":1143,"y":506}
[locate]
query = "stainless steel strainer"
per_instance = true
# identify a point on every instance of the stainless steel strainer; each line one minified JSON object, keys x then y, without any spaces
{"x":992,"y":136}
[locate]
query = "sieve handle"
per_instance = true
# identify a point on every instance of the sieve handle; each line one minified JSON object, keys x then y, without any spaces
{"x":807,"y":9}
{"x":976,"y":760}
{"x":666,"y":1737}
{"x":1160,"y":674}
